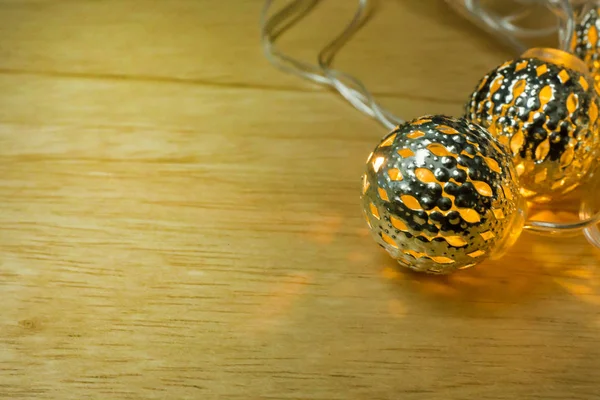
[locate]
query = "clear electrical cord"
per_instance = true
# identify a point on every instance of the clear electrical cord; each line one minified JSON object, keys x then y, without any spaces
{"x":350,"y":88}
{"x":273,"y":25}
{"x":504,"y":27}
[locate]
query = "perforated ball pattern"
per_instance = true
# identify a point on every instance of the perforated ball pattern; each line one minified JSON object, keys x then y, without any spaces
{"x":439,"y":194}
{"x":547,"y":118}
{"x":586,"y":41}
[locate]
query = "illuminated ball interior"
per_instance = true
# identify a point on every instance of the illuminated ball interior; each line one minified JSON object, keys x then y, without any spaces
{"x":546,"y":116}
{"x":439,"y":194}
{"x":586,"y":41}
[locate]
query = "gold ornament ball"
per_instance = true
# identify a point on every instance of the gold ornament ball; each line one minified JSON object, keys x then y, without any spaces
{"x":586,"y":41}
{"x":543,"y":108}
{"x":440,"y":194}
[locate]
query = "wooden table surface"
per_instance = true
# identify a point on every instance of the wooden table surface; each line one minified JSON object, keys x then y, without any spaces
{"x":179,"y":220}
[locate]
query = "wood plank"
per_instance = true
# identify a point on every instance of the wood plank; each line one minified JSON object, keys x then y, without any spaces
{"x":167,"y":238}
{"x":211,"y":42}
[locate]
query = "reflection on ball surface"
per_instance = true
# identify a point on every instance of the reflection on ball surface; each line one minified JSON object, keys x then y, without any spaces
{"x":546,"y":115}
{"x":439,"y":194}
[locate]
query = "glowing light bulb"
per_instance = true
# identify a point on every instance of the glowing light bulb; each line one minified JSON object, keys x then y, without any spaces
{"x":440,"y":194}
{"x":586,"y":41}
{"x":544,"y":109}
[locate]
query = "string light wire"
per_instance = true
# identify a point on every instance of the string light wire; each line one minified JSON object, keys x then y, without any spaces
{"x":349,"y":87}
{"x":355,"y":92}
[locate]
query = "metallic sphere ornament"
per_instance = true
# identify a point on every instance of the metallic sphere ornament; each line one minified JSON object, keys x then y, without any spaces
{"x":586,"y":41}
{"x":440,"y":194}
{"x":543,"y":108}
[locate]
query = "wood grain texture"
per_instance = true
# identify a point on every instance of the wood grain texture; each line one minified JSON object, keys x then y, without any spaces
{"x":178,"y":220}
